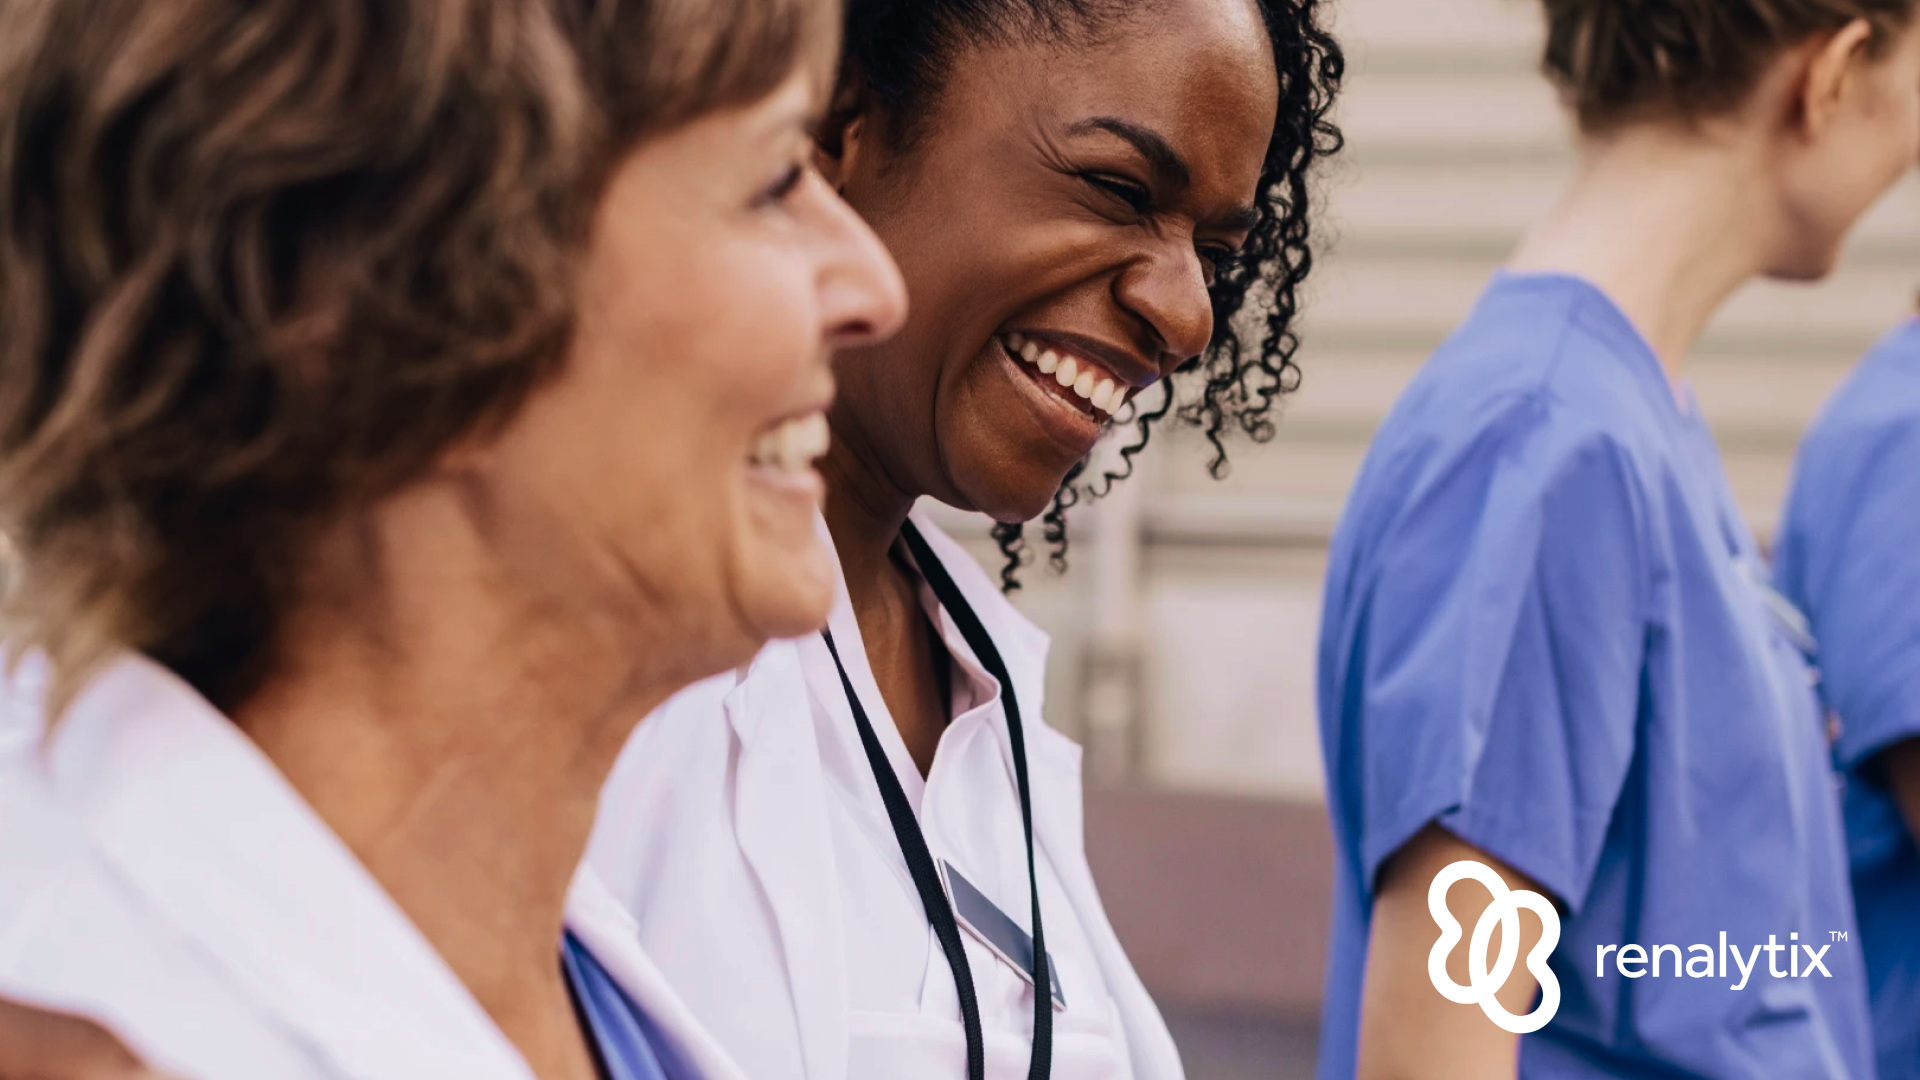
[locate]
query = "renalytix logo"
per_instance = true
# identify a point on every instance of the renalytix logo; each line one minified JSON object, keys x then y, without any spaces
{"x":1701,"y":959}
{"x":1504,"y":912}
{"x":1631,"y":961}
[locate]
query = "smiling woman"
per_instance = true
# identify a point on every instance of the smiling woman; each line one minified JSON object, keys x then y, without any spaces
{"x":1076,"y":148}
{"x":888,"y":864}
{"x":381,"y":438}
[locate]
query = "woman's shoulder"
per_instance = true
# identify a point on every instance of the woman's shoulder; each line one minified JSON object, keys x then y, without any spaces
{"x":1543,"y":358}
{"x":1877,"y":404}
{"x":1510,"y":440}
{"x":76,"y":936}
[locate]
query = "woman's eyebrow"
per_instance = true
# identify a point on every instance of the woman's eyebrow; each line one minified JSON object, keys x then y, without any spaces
{"x":1166,"y":162}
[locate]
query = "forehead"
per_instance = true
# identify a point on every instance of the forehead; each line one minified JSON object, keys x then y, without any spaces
{"x":1200,"y":73}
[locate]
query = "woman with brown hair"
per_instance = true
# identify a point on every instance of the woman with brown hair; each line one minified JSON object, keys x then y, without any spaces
{"x":380,"y":439}
{"x":1550,"y":658}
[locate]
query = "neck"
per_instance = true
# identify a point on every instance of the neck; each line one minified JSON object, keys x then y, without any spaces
{"x":865,"y":507}
{"x":455,"y":734}
{"x":1668,"y":223}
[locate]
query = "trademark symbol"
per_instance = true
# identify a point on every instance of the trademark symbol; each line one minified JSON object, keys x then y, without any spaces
{"x":1837,"y":935}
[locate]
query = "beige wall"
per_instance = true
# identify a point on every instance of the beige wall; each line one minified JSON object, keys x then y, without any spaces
{"x":1455,"y":143}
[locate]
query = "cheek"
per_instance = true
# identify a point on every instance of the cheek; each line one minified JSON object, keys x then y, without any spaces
{"x":730,"y":350}
{"x":1899,"y":137}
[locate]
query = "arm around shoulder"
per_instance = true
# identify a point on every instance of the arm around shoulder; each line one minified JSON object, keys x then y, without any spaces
{"x":40,"y":1045}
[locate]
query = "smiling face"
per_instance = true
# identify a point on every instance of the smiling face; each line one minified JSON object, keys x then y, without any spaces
{"x":1057,"y":220}
{"x":668,"y":470}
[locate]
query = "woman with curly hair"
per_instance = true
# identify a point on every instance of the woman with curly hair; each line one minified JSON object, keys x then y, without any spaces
{"x":1101,"y":209}
{"x":1551,"y":655}
{"x":382,"y":436}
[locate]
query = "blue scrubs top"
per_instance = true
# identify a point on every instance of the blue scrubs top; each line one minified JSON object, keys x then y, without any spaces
{"x":1546,"y":629}
{"x":631,"y":1047}
{"x":1849,"y":555}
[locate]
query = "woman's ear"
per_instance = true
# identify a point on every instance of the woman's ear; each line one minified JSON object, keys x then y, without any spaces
{"x":1833,"y":72}
{"x":845,"y":130}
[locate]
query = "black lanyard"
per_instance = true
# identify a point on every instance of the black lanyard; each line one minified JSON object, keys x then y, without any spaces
{"x":913,"y":844}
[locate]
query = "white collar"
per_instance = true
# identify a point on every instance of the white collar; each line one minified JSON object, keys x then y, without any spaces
{"x":1022,"y":645}
{"x":198,"y":820}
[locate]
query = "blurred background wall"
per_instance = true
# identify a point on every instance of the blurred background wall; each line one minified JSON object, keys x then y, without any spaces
{"x":1184,"y":634}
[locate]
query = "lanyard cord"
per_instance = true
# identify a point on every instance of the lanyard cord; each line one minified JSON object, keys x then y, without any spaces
{"x":913,"y":844}
{"x":982,"y":645}
{"x":926,"y":880}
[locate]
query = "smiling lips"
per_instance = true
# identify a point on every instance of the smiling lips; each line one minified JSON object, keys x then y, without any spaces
{"x":1096,"y":388}
{"x":791,"y":447}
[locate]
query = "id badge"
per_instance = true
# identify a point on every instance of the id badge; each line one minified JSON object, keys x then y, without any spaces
{"x":995,"y":929}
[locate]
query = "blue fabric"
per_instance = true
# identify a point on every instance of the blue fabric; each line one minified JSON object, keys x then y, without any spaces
{"x":1849,"y":555}
{"x":1545,"y":629}
{"x":631,"y":1046}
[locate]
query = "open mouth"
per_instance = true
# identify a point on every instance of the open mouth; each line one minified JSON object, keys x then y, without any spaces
{"x":787,"y":450}
{"x":1070,"y":377}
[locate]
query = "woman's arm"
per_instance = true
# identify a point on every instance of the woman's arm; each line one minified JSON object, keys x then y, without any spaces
{"x":1903,"y":779}
{"x":36,"y":1045}
{"x":1407,"y":1030}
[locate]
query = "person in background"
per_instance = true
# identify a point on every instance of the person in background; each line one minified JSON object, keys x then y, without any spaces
{"x":1848,"y":553}
{"x":1549,"y":642}
{"x":382,"y":436}
{"x":879,"y":855}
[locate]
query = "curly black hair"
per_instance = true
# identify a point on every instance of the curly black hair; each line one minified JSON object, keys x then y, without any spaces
{"x":903,"y":50}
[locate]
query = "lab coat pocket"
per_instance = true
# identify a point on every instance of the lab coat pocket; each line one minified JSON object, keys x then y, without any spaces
{"x":882,"y":1046}
{"x":1089,"y":1040}
{"x":889,"y":1045}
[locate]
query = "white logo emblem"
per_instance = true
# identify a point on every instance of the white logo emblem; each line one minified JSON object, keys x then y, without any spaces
{"x":1505,"y":913}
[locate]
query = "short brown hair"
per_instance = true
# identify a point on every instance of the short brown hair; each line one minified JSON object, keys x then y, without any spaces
{"x":1621,"y":60}
{"x":263,"y":260}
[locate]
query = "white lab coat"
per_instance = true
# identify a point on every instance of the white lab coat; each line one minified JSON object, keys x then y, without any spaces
{"x":724,"y":832}
{"x":158,"y":874}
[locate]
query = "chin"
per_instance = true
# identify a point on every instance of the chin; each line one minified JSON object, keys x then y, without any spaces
{"x":1803,"y":272}
{"x":788,"y":597}
{"x":1815,"y":263}
{"x":1012,"y":500}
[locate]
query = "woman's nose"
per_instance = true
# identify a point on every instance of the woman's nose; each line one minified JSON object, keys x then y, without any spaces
{"x":863,"y":298}
{"x":1168,"y":290}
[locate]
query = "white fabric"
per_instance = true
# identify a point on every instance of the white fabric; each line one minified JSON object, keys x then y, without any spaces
{"x":157,"y":873}
{"x":776,"y":898}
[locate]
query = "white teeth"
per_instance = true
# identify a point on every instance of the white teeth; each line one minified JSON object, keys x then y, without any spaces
{"x":792,"y":446}
{"x":1086,"y":380}
{"x":820,"y":437}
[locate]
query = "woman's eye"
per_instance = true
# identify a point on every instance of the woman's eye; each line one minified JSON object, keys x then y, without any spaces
{"x":1134,"y":195}
{"x":1216,"y":261}
{"x":783,"y":186}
